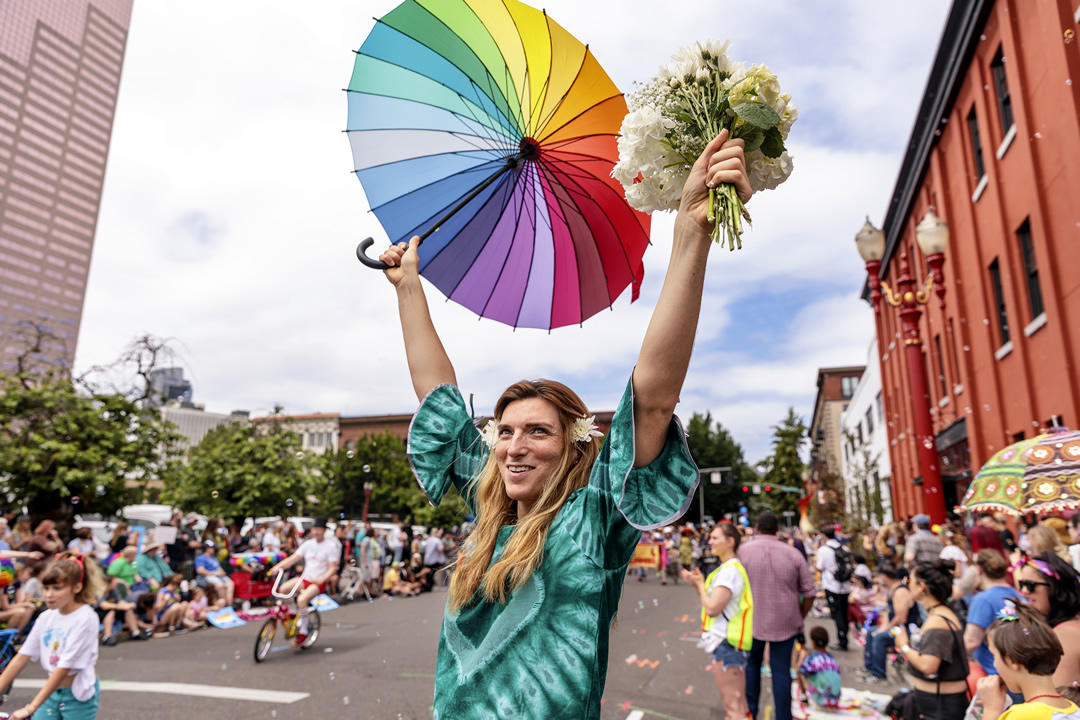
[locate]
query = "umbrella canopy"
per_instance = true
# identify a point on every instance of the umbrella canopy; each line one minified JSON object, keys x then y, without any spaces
{"x":1038,"y":475}
{"x":487,"y":121}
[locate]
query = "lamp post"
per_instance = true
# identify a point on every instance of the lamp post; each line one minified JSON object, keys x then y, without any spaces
{"x":368,"y":487}
{"x":932,"y":234}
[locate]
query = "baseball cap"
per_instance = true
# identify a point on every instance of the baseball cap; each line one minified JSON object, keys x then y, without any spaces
{"x":922,"y":520}
{"x":208,"y":544}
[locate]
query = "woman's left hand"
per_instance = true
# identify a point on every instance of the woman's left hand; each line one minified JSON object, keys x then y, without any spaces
{"x":722,"y":161}
{"x":900,"y":636}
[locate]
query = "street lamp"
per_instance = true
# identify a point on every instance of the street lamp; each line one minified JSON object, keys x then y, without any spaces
{"x":932,"y":234}
{"x":368,"y":487}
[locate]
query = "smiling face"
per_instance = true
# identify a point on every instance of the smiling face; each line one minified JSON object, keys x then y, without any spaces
{"x":1035,"y":589}
{"x":528,"y":448}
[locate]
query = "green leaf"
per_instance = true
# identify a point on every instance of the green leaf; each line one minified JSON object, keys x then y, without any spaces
{"x":773,"y":144}
{"x":757,"y":114}
{"x":752,"y":137}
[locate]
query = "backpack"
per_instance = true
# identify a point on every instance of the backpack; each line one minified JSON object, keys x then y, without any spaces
{"x":844,"y":565}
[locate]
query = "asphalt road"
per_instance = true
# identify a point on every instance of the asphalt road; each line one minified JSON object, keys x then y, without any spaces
{"x":377,"y":660}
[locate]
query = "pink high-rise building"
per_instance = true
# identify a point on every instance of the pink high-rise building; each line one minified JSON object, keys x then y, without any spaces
{"x":60,"y":63}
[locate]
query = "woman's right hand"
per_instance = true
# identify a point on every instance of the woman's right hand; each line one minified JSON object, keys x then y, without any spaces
{"x":404,"y":261}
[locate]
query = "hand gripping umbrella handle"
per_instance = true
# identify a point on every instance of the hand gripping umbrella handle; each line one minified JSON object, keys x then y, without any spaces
{"x":362,"y":256}
{"x":511,"y":162}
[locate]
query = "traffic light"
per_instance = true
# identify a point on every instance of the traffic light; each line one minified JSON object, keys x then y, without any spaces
{"x":768,"y":488}
{"x":745,"y":489}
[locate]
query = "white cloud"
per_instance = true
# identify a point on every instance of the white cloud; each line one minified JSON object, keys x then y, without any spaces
{"x":230,"y":213}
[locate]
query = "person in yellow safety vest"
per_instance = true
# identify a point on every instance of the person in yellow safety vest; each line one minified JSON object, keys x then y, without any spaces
{"x":727,"y":619}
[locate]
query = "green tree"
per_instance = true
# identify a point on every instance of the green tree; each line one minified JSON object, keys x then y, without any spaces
{"x":64,"y":449}
{"x":711,"y":445}
{"x":784,"y":466}
{"x":242,"y":470}
{"x":381,"y":460}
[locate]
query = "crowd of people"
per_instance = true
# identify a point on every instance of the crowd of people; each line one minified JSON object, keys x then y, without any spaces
{"x":153,"y":589}
{"x":937,"y":601}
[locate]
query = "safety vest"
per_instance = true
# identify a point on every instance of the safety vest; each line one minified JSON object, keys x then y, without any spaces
{"x":740,"y":628}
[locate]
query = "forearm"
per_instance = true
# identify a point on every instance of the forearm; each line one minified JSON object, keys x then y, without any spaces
{"x":665,"y":351}
{"x":806,"y":604}
{"x":429,"y":365}
{"x":58,"y":676}
{"x":13,"y":669}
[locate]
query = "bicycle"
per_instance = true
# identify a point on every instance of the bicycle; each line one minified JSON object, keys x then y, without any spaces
{"x":7,"y":652}
{"x":289,"y":619}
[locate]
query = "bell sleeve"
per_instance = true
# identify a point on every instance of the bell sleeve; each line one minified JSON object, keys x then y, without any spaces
{"x":444,"y":447}
{"x":621,"y":500}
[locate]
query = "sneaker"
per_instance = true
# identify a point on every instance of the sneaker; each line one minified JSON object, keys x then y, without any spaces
{"x":301,"y":638}
{"x":109,"y":641}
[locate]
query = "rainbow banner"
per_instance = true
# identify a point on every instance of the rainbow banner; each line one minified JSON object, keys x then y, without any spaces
{"x":7,"y":572}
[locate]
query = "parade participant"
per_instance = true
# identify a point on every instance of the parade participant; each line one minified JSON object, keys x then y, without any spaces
{"x":65,"y":640}
{"x":1052,"y":586}
{"x":319,"y":554}
{"x":939,"y":665}
{"x":558,"y":517}
{"x":1026,"y":653}
{"x":727,"y":618}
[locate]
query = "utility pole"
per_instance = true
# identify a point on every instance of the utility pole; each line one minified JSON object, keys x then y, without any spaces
{"x":716,"y":477}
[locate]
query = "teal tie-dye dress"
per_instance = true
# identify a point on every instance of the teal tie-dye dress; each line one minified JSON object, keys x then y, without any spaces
{"x":544,"y":653}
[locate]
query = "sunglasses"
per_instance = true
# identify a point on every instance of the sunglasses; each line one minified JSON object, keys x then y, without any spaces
{"x":1030,"y":585}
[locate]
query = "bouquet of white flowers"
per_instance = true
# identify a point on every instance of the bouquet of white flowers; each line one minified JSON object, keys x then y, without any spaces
{"x":686,"y":104}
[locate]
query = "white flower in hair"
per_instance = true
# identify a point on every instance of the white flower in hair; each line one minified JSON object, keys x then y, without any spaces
{"x":585,"y":429}
{"x":490,"y":433}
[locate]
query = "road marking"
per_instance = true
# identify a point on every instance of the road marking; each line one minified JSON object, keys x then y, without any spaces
{"x":636,"y":715}
{"x":211,"y":691}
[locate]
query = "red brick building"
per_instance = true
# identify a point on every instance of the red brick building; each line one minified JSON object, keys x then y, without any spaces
{"x":994,"y":151}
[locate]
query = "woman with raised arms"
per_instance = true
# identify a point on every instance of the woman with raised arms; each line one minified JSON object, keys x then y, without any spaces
{"x":525,"y":631}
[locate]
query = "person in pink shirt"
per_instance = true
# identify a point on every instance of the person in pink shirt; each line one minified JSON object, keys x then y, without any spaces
{"x":783,"y":589}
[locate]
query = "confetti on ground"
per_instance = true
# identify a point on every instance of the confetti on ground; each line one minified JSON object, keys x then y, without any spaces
{"x":626,"y":706}
{"x":689,"y":689}
{"x":662,"y":633}
{"x":630,"y":660}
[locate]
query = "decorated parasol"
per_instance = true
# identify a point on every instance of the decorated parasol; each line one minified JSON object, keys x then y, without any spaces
{"x":488,"y":130}
{"x":1038,"y":475}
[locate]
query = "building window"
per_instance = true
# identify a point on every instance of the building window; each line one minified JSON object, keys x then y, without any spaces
{"x":1001,"y":85}
{"x":952,"y":353}
{"x":847,"y":385}
{"x":999,"y":302}
{"x":941,"y":366}
{"x":1055,"y":421}
{"x":1031,"y":270}
{"x":976,"y":145}
{"x":880,"y":408}
{"x":1017,"y":437}
{"x":870,"y":421}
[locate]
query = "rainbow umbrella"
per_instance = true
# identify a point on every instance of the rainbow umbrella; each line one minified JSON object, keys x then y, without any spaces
{"x":1038,"y":475}
{"x":487,"y":129}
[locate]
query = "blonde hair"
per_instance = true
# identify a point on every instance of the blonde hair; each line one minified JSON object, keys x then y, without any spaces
{"x":524,"y":551}
{"x":1043,"y":539}
{"x":69,"y":569}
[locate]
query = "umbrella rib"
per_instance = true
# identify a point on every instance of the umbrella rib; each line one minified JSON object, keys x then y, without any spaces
{"x":615,"y":233}
{"x":506,"y":258}
{"x":456,"y":92}
{"x":506,"y":68}
{"x":466,"y":45}
{"x":583,"y":111}
{"x":544,"y":121}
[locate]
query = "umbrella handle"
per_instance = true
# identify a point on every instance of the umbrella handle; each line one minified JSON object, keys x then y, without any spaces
{"x":362,"y":256}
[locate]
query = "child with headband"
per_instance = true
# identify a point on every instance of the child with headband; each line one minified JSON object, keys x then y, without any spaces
{"x":1026,"y":653}
{"x":64,"y":640}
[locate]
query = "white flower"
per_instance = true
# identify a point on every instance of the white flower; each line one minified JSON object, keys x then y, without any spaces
{"x":490,"y":433}
{"x":759,"y":84}
{"x":767,"y":173}
{"x":585,"y":429}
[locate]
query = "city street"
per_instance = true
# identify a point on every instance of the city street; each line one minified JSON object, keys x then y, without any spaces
{"x":377,"y":660}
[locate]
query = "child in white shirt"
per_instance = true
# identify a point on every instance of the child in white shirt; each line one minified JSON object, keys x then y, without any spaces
{"x":64,"y":640}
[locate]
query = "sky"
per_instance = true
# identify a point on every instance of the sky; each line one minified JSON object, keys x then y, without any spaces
{"x":230,"y":212}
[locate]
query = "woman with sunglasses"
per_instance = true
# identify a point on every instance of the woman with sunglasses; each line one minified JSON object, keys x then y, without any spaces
{"x":1052,"y":586}
{"x":939,"y":665}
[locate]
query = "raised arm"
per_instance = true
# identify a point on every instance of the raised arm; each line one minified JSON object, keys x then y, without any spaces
{"x":669,"y":340}
{"x":429,"y":365}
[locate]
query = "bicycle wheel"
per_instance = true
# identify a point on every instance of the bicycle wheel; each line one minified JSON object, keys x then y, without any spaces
{"x":265,"y":639}
{"x":314,"y":623}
